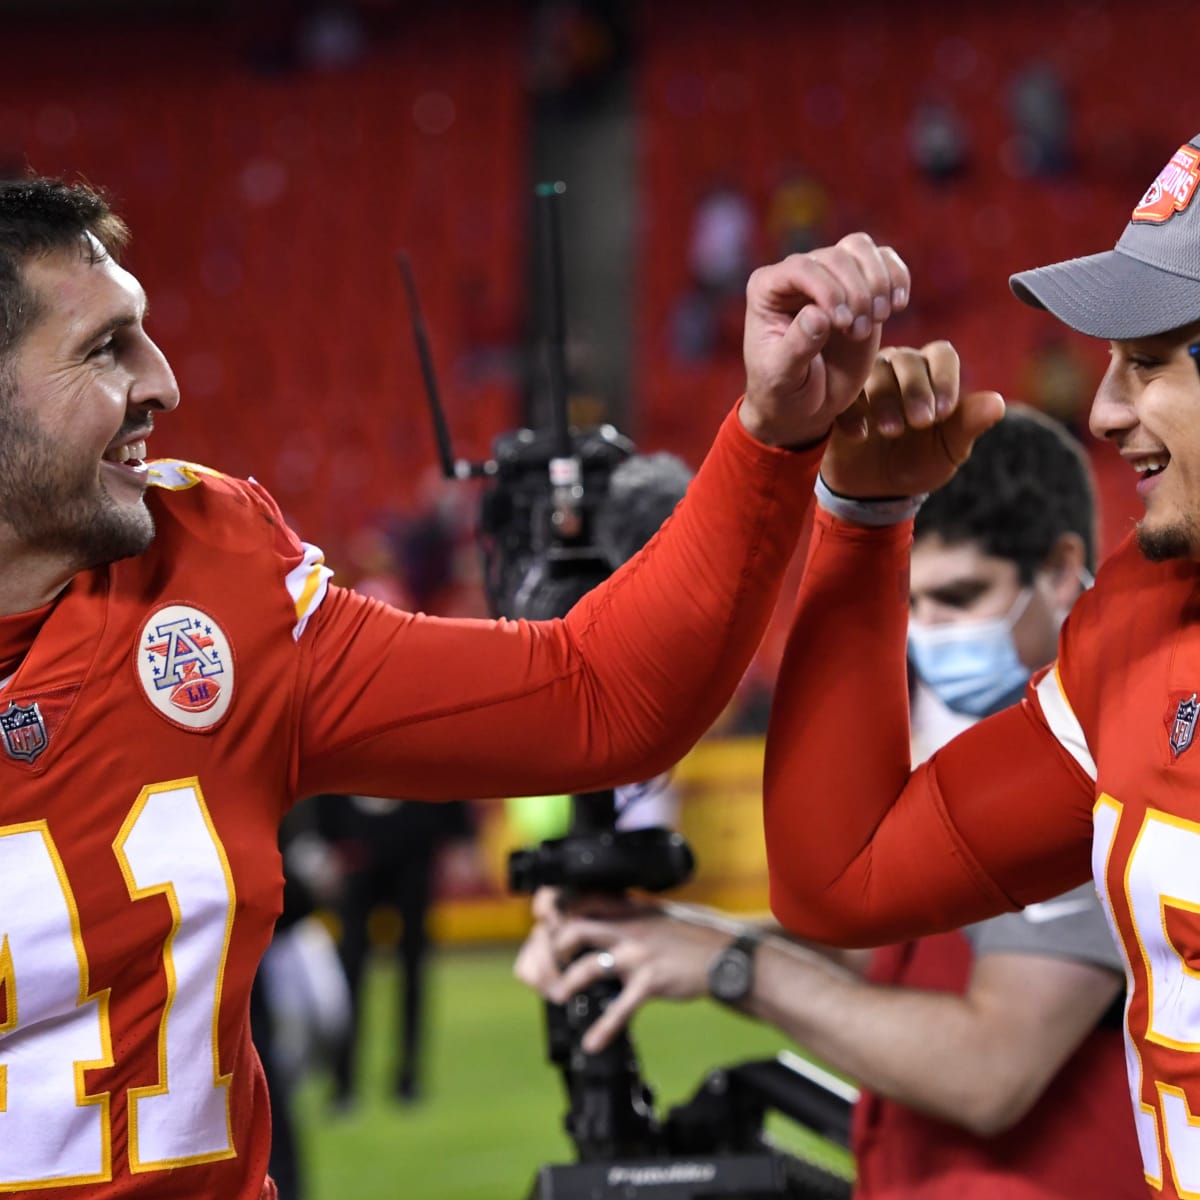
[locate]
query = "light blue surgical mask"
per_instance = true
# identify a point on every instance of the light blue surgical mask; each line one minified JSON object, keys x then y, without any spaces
{"x":971,"y":666}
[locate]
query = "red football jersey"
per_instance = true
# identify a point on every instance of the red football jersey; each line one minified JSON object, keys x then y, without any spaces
{"x":1123,"y":700}
{"x":173,"y":705}
{"x":1095,"y":764}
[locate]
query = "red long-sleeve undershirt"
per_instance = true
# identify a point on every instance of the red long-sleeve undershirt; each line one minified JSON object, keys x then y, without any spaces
{"x":861,"y":850}
{"x":401,"y":704}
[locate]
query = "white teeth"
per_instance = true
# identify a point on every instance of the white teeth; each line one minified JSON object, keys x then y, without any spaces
{"x":133,"y":452}
{"x":1148,"y":466}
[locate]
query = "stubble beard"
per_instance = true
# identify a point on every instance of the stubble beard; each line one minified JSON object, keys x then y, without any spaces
{"x":55,"y":509}
{"x":1178,"y":540}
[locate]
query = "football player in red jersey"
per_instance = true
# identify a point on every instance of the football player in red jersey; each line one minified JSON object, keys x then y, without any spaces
{"x":991,"y":1058}
{"x":1092,"y":771}
{"x":176,"y":668}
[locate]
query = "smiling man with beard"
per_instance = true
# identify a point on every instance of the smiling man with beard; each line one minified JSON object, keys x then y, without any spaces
{"x":85,"y":387}
{"x":176,"y":669}
{"x":1095,"y":772}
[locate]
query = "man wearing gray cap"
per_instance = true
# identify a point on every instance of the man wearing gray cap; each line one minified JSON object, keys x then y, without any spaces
{"x":1091,"y":773}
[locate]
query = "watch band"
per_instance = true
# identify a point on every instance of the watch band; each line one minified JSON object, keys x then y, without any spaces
{"x":731,"y":975}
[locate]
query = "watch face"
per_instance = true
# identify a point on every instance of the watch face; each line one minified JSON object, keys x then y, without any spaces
{"x":730,"y":976}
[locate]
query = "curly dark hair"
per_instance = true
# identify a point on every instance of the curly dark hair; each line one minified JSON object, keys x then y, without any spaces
{"x":39,"y":216}
{"x":1026,"y":483}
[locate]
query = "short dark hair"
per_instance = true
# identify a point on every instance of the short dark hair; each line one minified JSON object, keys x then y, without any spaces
{"x":39,"y":216}
{"x":1026,"y":483}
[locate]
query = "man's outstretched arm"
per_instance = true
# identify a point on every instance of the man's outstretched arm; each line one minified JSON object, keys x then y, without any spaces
{"x":637,"y":671}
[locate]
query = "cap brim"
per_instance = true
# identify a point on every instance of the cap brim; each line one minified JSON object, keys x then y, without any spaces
{"x":1111,"y":295}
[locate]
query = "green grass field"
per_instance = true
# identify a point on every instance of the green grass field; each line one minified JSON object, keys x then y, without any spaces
{"x":492,"y":1108}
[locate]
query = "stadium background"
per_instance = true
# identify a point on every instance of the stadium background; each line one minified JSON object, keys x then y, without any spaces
{"x":272,"y":157}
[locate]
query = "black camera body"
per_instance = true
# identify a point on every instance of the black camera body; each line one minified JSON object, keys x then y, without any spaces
{"x":537,"y":520}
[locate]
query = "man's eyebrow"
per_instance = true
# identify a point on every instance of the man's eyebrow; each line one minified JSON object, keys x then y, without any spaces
{"x":958,"y":585}
{"x":118,"y":321}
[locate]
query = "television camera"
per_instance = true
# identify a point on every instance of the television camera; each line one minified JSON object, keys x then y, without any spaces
{"x":541,"y":532}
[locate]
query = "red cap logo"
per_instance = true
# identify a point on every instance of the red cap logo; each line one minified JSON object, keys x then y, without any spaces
{"x":1172,"y":191}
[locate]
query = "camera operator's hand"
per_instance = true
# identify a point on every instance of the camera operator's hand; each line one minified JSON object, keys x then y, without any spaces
{"x":652,"y":951}
{"x":909,"y":430}
{"x":538,"y":962}
{"x":812,"y":331}
{"x":535,"y":964}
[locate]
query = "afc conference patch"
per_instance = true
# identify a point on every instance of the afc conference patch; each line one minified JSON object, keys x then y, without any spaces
{"x":1181,"y":723}
{"x":23,"y":731}
{"x":185,"y":666}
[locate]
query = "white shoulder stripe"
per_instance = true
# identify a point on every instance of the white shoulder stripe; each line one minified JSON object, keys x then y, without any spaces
{"x":307,"y":583}
{"x":1063,"y":722}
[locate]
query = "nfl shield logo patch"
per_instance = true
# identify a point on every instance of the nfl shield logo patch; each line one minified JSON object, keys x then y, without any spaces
{"x":24,"y":731}
{"x":1182,"y":726}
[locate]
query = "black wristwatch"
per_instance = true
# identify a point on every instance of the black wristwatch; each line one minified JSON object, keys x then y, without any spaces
{"x":731,"y":975}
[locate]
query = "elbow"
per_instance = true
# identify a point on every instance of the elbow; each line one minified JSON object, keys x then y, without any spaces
{"x":813,"y":905}
{"x":829,"y":916}
{"x":846,"y":912}
{"x":987,"y":1088}
{"x":637,"y":764}
{"x":994,"y":1110}
{"x":820,"y":918}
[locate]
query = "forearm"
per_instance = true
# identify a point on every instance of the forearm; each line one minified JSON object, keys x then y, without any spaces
{"x":924,"y":1050}
{"x":979,"y":1059}
{"x":859,"y":851}
{"x":837,"y":747}
{"x":676,"y":627}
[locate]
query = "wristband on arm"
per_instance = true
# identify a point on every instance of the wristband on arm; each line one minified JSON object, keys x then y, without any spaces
{"x":887,"y":510}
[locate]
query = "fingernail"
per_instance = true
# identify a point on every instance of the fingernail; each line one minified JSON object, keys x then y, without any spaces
{"x":889,"y":427}
{"x":899,"y":297}
{"x":861,"y":327}
{"x":945,"y":405}
{"x":811,"y":323}
{"x":928,"y":414}
{"x":842,"y":315}
{"x":881,"y":309}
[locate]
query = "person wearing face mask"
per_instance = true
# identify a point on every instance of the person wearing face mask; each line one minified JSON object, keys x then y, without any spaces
{"x":997,"y":561}
{"x":991,"y":1059}
{"x":968,"y":666}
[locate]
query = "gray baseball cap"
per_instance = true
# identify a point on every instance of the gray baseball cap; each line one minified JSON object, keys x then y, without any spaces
{"x":1150,"y":282}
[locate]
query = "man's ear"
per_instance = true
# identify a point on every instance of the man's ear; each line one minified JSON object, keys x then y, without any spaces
{"x":1065,"y":569}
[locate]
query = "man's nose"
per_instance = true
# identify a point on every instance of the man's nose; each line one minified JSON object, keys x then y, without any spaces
{"x":1112,"y":410}
{"x":155,"y":383}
